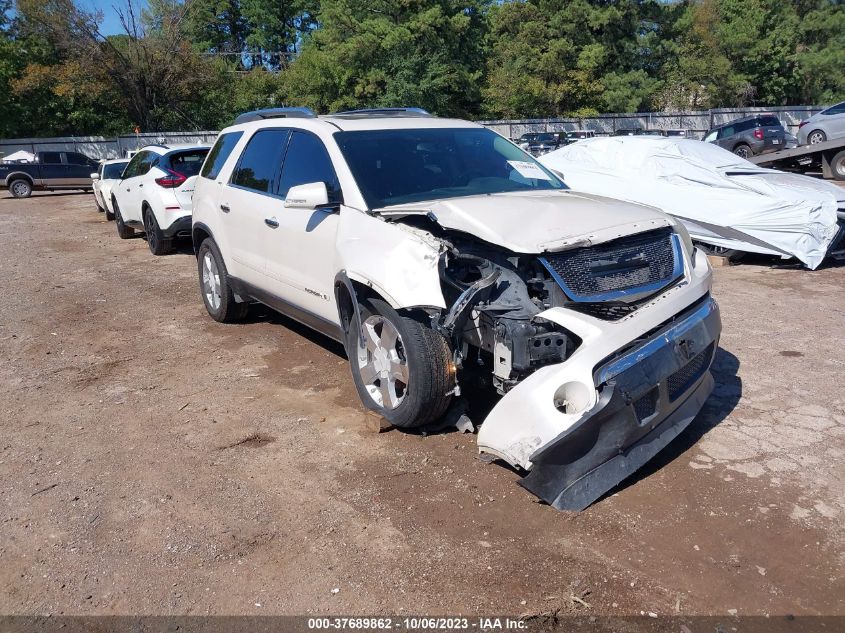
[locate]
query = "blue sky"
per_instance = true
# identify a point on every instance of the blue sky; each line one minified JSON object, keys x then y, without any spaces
{"x":111,"y":23}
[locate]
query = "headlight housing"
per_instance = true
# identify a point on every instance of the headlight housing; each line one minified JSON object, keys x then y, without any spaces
{"x":686,"y":240}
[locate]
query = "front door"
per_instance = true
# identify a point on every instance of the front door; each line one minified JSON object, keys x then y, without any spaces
{"x":300,"y":251}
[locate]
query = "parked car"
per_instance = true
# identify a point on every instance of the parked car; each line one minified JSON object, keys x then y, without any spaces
{"x":824,"y":126}
{"x":749,"y":136}
{"x":104,"y":179}
{"x":537,"y":143}
{"x":154,"y":194}
{"x":441,"y":255}
{"x":49,"y":172}
{"x":729,"y":205}
{"x":565,"y":138}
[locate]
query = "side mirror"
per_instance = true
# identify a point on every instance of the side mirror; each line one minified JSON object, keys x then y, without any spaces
{"x":95,"y":176}
{"x":308,"y":196}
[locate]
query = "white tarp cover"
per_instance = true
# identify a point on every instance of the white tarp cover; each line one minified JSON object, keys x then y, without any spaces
{"x":18,"y":156}
{"x":722,"y":199}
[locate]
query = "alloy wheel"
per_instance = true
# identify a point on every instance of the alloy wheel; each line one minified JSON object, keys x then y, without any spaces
{"x":20,"y":189}
{"x":211,"y":281}
{"x":381,"y":362}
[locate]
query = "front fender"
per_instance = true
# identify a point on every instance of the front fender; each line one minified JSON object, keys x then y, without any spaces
{"x":398,"y":262}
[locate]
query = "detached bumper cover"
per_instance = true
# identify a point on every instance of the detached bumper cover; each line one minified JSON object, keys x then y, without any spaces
{"x":646,"y":398}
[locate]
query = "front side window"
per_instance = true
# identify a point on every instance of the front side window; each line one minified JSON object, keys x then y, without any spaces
{"x":219,"y":153}
{"x":308,"y":161}
{"x":260,"y":160}
{"x":413,"y":165}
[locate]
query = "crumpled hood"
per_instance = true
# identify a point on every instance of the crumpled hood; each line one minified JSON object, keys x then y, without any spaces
{"x":538,"y":221}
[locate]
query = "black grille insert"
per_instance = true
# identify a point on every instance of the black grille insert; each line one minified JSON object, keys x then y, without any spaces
{"x":646,"y":405}
{"x":687,"y":375}
{"x":646,"y":262}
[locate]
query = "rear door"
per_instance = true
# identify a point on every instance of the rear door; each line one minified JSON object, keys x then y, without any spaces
{"x":834,"y":121}
{"x":248,"y":199}
{"x":51,"y":168}
{"x":300,"y":250}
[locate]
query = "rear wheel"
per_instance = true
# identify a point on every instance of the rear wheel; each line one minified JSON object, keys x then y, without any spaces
{"x":743,"y":151}
{"x":124,"y":232}
{"x":20,"y":188}
{"x":815,"y":137}
{"x":402,"y":369}
{"x":159,"y":244}
{"x":109,"y":214}
{"x":215,"y":287}
{"x":837,"y":166}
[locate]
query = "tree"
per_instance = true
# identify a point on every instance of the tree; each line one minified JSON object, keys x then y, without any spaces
{"x":426,"y":53}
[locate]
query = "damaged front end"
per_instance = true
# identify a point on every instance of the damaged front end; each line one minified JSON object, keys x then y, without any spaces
{"x":601,"y":352}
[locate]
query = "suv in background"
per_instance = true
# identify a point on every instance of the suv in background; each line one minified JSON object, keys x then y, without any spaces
{"x":106,"y":177}
{"x":749,"y":136}
{"x":823,"y":126}
{"x":536,"y":143}
{"x":154,"y":194}
{"x":442,"y":256}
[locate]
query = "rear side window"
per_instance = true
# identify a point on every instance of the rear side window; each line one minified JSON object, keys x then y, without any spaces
{"x":839,"y":108}
{"x":744,"y":126}
{"x":260,"y":160}
{"x":219,"y":153}
{"x":308,"y":161}
{"x":725,"y":132}
{"x":188,"y":163}
{"x":51,"y":158}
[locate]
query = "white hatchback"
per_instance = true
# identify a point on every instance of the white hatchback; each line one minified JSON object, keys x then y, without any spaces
{"x":155,"y":194}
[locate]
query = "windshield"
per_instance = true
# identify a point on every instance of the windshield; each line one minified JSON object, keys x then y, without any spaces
{"x":114,"y":170}
{"x":545,"y":137}
{"x":405,"y":166}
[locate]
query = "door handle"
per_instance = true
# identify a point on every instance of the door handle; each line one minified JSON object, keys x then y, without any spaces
{"x":225,"y":208}
{"x":273,"y":223}
{"x":141,"y":185}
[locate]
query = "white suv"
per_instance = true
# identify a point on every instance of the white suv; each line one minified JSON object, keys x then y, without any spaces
{"x":154,"y":194}
{"x":443,"y":256}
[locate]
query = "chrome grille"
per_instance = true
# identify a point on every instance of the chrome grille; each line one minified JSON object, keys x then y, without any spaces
{"x":687,"y":375}
{"x":632,"y":265}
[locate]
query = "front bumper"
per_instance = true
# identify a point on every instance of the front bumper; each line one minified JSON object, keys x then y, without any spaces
{"x":646,"y":398}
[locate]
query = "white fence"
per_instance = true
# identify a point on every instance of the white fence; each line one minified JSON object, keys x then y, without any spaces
{"x":695,"y":123}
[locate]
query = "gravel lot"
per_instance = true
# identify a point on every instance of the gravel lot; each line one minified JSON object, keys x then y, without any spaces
{"x":153,"y":461}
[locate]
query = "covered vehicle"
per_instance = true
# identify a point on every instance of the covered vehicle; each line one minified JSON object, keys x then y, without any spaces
{"x":726,"y":203}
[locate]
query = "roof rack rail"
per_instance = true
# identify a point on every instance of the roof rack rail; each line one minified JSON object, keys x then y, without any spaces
{"x":383,"y":112}
{"x":275,"y":113}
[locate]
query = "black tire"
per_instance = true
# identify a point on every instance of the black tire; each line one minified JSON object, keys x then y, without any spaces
{"x":157,"y":241}
{"x":837,"y":166}
{"x":20,"y":188}
{"x":228,"y":310}
{"x":743,"y":151}
{"x":123,"y":232}
{"x":815,"y":137}
{"x":431,"y":378}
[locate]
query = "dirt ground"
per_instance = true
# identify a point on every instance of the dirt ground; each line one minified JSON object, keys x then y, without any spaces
{"x":153,"y":461}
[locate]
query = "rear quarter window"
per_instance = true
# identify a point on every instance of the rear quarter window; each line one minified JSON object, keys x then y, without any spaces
{"x":219,"y":153}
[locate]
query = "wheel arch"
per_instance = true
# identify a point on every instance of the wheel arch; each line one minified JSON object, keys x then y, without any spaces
{"x":199,"y":233}
{"x":19,"y":175}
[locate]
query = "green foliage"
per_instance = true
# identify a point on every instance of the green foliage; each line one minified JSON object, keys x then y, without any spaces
{"x":186,"y":64}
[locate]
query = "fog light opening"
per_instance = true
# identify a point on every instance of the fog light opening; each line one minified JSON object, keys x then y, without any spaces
{"x":572,"y":397}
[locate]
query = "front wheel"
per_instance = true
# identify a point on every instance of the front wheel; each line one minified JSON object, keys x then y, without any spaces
{"x":216,"y":290}
{"x":20,"y":188}
{"x":123,"y":232}
{"x":109,"y":214}
{"x":402,"y":369}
